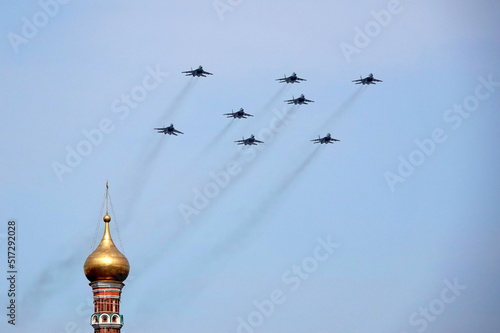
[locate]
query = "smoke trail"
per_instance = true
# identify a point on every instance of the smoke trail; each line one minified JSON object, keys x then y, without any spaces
{"x":141,"y":172}
{"x":285,"y":184}
{"x":179,"y":234}
{"x":243,"y":232}
{"x":140,"y":176}
{"x":337,"y":114}
{"x":152,"y":154}
{"x":270,"y":102}
{"x":217,"y":138}
{"x":236,"y":237}
{"x":57,"y":273}
{"x":178,"y":100}
{"x":246,"y":157}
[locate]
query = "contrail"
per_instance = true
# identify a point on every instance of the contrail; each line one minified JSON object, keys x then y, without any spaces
{"x":49,"y":281}
{"x":337,"y":114}
{"x":173,"y":240}
{"x":141,"y":174}
{"x":244,"y":231}
{"x":218,"y":137}
{"x":285,"y":184}
{"x":238,"y":156}
{"x":152,"y":154}
{"x":179,"y":98}
{"x":143,"y":169}
{"x":273,"y":98}
{"x":245,"y":158}
{"x":240,"y":234}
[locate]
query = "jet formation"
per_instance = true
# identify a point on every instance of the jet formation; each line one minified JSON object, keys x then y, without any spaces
{"x":241,"y":114}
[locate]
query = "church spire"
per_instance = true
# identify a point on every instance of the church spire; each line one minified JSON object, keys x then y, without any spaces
{"x":107,"y":196}
{"x":106,"y":262}
{"x":106,"y":268}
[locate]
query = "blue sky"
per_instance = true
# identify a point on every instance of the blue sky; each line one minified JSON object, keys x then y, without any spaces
{"x":407,"y":200}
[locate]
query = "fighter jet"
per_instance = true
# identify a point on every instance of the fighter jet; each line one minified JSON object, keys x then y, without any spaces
{"x":238,"y":114}
{"x":299,"y":100}
{"x":249,"y":141}
{"x":170,"y":130}
{"x":367,"y":80}
{"x":291,"y":79}
{"x":197,"y":72}
{"x":327,"y":139}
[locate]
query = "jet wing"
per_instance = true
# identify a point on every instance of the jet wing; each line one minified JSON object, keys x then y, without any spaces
{"x":207,"y":73}
{"x":330,"y":140}
{"x":237,"y":115}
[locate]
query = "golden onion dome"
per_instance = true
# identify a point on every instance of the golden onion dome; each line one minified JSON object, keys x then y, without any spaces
{"x":106,"y":262}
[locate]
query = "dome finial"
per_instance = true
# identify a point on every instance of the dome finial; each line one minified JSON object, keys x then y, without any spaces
{"x":107,"y":194}
{"x":106,"y":262}
{"x":106,"y":217}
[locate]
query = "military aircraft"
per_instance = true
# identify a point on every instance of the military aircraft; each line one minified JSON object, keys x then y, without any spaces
{"x":367,"y":80}
{"x":248,"y":141}
{"x":170,"y":130}
{"x":291,"y":79}
{"x":327,"y":139}
{"x":238,"y":114}
{"x":197,"y":72}
{"x":299,"y":100}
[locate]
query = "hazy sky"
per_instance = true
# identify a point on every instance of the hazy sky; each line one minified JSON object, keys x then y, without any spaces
{"x":392,"y":229}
